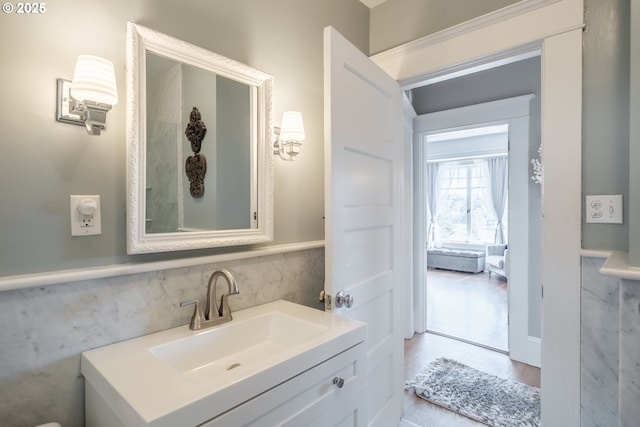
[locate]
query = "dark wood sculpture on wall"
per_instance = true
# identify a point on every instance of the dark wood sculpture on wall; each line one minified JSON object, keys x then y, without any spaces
{"x":196,"y":165}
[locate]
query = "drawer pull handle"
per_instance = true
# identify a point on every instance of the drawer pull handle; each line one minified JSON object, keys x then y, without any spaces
{"x":339,"y":381}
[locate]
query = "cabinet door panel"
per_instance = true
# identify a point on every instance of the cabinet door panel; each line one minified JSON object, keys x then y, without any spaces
{"x":348,"y":412}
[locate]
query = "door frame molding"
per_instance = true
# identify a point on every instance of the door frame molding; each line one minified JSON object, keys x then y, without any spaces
{"x":560,"y":44}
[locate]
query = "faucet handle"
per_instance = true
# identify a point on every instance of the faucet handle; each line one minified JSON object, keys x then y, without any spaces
{"x":197,"y":320}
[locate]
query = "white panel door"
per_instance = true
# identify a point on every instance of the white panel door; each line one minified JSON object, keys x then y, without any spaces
{"x":364,"y":157}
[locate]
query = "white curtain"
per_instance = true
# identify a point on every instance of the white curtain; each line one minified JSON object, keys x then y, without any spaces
{"x":433,"y":189}
{"x":498,"y":185}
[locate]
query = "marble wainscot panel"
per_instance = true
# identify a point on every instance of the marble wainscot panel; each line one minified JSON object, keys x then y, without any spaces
{"x":629,"y":353}
{"x":44,"y":330}
{"x":599,"y":346}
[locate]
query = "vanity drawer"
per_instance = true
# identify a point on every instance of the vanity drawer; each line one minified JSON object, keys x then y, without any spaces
{"x":309,"y":397}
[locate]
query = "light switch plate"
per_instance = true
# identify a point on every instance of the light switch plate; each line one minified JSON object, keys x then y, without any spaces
{"x":604,"y":209}
{"x":84,"y":225}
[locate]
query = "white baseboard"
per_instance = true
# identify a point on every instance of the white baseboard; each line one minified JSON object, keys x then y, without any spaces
{"x":535,"y":351}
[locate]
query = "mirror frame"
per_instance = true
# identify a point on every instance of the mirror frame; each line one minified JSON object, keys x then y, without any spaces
{"x":140,"y":40}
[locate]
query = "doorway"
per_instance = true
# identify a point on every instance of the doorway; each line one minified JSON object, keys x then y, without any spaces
{"x":518,"y":119}
{"x":467,"y":234}
{"x":507,"y":132}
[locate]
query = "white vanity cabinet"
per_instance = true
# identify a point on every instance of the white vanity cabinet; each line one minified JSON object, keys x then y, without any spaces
{"x":278,"y":364}
{"x":330,"y":394}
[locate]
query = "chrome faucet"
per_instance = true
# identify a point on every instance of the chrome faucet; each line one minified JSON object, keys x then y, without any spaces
{"x":213,"y":315}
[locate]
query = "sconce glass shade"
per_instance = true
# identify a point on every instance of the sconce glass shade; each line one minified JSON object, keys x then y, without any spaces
{"x":94,"y":80}
{"x":291,"y":127}
{"x":291,"y":135}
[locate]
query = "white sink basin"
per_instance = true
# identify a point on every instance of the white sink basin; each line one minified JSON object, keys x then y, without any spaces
{"x":182,"y":377}
{"x":240,"y":345}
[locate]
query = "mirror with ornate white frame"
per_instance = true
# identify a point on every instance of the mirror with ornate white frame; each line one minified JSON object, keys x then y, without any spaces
{"x":232,"y":202}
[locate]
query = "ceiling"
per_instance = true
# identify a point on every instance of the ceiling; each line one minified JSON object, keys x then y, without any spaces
{"x":372,"y":3}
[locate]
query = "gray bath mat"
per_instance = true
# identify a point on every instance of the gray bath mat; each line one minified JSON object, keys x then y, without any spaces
{"x":483,"y":397}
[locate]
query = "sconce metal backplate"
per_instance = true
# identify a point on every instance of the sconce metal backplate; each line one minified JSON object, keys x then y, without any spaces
{"x":276,"y":143}
{"x":65,"y":105}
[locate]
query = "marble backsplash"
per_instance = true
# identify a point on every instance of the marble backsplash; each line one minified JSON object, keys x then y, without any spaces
{"x":44,"y":330}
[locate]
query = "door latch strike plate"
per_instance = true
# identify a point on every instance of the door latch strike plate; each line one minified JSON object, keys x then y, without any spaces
{"x":327,"y":303}
{"x":326,"y":299}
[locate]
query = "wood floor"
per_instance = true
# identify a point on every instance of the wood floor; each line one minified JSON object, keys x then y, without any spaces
{"x":472,"y":307}
{"x":475,"y":308}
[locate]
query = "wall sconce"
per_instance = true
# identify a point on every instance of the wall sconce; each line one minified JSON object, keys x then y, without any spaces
{"x":289,"y":135}
{"x":86,"y":99}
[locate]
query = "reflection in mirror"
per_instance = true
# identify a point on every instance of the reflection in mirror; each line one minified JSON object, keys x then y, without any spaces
{"x":173,"y":90}
{"x":227,"y":197}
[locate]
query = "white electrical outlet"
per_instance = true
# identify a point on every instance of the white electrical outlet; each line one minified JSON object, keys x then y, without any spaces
{"x":604,"y":209}
{"x":85,"y":215}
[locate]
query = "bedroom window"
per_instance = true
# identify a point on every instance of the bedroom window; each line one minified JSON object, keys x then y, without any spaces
{"x":467,"y":172}
{"x":465,"y":214}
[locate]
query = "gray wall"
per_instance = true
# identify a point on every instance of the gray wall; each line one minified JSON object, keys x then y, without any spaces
{"x":44,"y":161}
{"x":605,"y":115}
{"x":395,"y":22}
{"x":520,"y":78}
